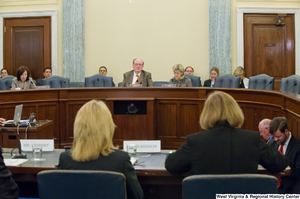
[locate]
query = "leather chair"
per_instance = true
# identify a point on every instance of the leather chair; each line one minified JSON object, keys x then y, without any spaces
{"x":98,"y":81}
{"x":159,"y":83}
{"x":5,"y":82}
{"x":61,"y":184}
{"x":290,"y":84}
{"x":76,"y":84}
{"x":227,"y":81}
{"x":262,"y":82}
{"x":56,"y":82}
{"x":196,"y":81}
{"x":207,"y":186}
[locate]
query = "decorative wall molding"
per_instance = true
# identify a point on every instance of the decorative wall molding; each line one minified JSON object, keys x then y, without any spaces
{"x":52,"y":13}
{"x":26,"y":2}
{"x":240,"y":30}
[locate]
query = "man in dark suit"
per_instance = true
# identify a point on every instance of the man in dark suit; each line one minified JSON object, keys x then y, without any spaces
{"x":137,"y":75}
{"x":8,"y":188}
{"x":103,"y":71}
{"x":290,"y":147}
{"x":47,"y":73}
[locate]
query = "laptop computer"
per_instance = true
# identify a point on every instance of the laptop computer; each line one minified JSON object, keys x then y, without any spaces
{"x":17,"y":118}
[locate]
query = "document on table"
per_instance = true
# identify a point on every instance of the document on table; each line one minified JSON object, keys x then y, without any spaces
{"x":14,"y":162}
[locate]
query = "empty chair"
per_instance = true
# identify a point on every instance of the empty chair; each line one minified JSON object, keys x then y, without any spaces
{"x":98,"y":81}
{"x":159,"y":83}
{"x":76,"y":84}
{"x":207,"y":186}
{"x":196,"y":81}
{"x":227,"y":81}
{"x":61,"y":184}
{"x":56,"y":82}
{"x":262,"y":82}
{"x":5,"y":82}
{"x":290,"y":84}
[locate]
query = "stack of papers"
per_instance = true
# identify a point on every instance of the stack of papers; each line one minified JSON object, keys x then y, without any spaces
{"x":14,"y":162}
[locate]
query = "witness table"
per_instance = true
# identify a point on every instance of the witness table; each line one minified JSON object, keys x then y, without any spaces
{"x":155,"y":180}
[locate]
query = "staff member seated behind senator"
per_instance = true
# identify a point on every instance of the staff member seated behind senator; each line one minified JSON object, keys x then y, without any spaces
{"x":179,"y":79}
{"x":137,"y":75}
{"x":224,"y":148}
{"x":47,"y":73}
{"x":93,"y":147}
{"x":23,"y":79}
{"x":214,"y":72}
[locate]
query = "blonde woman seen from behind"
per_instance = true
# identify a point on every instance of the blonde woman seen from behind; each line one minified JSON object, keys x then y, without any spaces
{"x":93,"y":147}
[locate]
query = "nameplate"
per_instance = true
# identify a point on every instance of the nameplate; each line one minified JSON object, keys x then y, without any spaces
{"x":145,"y":146}
{"x":168,"y":85}
{"x":43,"y":87}
{"x":46,"y":144}
{"x":134,"y":85}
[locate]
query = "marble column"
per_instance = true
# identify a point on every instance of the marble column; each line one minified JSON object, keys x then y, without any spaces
{"x":220,"y":35}
{"x":73,"y":40}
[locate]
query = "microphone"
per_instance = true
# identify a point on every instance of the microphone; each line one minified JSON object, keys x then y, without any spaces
{"x":31,"y":81}
{"x":267,"y":84}
{"x":19,"y":155}
{"x":295,"y":84}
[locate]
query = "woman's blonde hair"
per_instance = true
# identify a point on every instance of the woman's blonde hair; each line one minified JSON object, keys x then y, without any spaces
{"x":215,"y":69}
{"x":220,"y":106}
{"x":93,"y":132}
{"x":178,"y":67}
{"x":239,"y":71}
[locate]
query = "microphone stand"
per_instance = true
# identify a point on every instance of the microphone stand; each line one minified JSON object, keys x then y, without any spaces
{"x":267,"y":85}
{"x":19,"y":155}
{"x":295,"y":84}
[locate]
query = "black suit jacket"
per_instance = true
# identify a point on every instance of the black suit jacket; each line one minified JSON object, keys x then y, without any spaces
{"x":145,"y":79}
{"x":207,"y":83}
{"x":8,"y":188}
{"x":118,"y":161}
{"x":224,"y":150}
{"x":291,"y":184}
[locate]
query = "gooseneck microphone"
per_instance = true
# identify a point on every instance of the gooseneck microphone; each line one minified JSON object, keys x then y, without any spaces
{"x":31,"y":81}
{"x":267,"y":85}
{"x":295,"y":84}
{"x":19,"y":155}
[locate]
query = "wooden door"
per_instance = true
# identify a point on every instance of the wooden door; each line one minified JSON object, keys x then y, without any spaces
{"x":27,"y":42}
{"x":269,"y":49}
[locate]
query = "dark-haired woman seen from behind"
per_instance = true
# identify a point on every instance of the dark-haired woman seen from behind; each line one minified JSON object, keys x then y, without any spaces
{"x":214,"y":72}
{"x":23,"y":79}
{"x":224,"y":148}
{"x":93,"y":147}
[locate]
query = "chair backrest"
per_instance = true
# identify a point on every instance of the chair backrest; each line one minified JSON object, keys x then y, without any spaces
{"x":76,"y":84}
{"x":74,"y":184}
{"x":5,"y":82}
{"x":207,"y":186}
{"x":56,"y":82}
{"x":227,"y":81}
{"x":159,"y":83}
{"x":98,"y":81}
{"x":196,"y":80}
{"x":262,"y":82}
{"x":290,"y":84}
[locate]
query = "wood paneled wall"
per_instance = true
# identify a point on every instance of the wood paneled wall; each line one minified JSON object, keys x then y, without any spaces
{"x":172,"y":113}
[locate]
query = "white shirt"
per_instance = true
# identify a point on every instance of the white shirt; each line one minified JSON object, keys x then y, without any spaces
{"x":286,"y":143}
{"x":135,"y":77}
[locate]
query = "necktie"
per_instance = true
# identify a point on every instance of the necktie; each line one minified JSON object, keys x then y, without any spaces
{"x":137,"y":79}
{"x":279,"y":176}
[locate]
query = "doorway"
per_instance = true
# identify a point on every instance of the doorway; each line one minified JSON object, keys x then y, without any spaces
{"x":27,"y":41}
{"x":269,"y":48}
